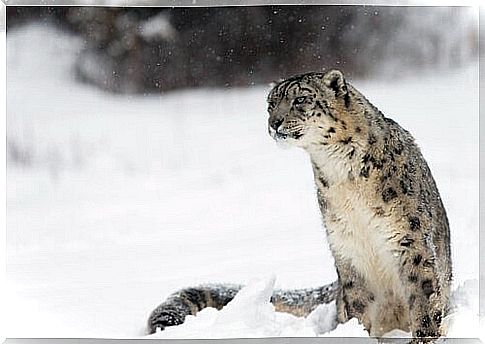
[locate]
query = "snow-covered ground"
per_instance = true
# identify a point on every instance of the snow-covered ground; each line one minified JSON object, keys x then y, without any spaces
{"x":121,"y":200}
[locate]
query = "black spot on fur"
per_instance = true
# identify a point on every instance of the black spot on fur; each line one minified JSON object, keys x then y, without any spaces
{"x":410,"y":166}
{"x":428,"y":263}
{"x":388,"y":194}
{"x":195,"y":296}
{"x":372,"y":139}
{"x":347,"y":140}
{"x":331,"y":130}
{"x":398,"y":148}
{"x":417,"y":259}
{"x":431,"y":334}
{"x":438,"y":317}
{"x":351,"y":154}
{"x":413,"y":278}
{"x":322,"y":203}
{"x":426,"y":321}
{"x":378,"y":164}
{"x":358,"y":130}
{"x":334,"y":85}
{"x":364,"y":172}
{"x":348,"y":285}
{"x":414,"y":223}
{"x":358,"y":306}
{"x":330,"y":115}
{"x":347,"y":100}
{"x":406,"y":242}
{"x":427,"y":286}
{"x":323,"y":181}
{"x":405,"y":187}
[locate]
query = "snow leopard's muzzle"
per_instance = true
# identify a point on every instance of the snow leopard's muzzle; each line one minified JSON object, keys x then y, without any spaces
{"x":280,"y":131}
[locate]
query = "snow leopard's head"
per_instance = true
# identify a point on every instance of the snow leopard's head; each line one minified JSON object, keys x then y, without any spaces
{"x":310,"y":109}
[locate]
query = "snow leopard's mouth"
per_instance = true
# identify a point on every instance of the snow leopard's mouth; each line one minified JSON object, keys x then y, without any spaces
{"x":287,"y":139}
{"x":276,"y":135}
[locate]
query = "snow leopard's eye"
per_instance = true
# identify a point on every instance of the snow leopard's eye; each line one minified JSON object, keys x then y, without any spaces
{"x":271,"y":105}
{"x":299,"y":100}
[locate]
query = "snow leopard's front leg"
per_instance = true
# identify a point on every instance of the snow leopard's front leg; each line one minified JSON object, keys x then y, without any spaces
{"x":354,"y":298}
{"x":425,"y":300}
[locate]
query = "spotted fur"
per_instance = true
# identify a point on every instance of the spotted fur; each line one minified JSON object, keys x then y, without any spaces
{"x":386,"y":224}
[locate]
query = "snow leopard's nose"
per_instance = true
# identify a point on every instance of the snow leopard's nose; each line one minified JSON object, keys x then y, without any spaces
{"x":275,"y":123}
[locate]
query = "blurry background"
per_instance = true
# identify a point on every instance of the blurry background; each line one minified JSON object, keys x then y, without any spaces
{"x":138,"y":159}
{"x":136,"y":50}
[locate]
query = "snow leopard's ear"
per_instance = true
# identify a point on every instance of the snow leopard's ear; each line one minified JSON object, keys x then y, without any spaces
{"x":274,"y":83}
{"x":335,"y":80}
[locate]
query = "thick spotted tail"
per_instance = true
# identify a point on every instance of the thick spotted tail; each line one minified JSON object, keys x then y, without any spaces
{"x":189,"y":301}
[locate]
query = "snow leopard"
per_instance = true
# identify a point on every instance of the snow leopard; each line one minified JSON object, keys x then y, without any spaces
{"x":385,"y":222}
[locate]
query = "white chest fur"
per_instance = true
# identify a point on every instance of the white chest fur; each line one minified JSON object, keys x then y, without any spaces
{"x":361,"y":237}
{"x":357,"y":233}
